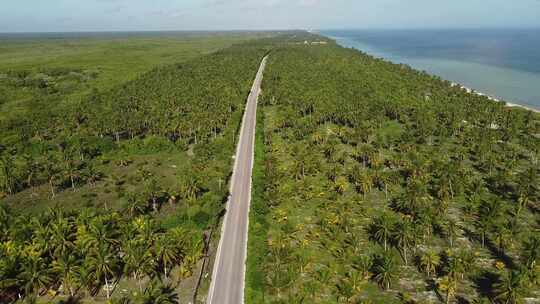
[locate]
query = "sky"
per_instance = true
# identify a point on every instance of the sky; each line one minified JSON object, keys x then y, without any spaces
{"x":128,"y":15}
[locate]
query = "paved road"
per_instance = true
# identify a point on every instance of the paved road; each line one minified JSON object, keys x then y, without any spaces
{"x":227,"y":286}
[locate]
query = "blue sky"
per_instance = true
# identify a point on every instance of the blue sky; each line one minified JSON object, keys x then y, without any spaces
{"x":99,"y":15}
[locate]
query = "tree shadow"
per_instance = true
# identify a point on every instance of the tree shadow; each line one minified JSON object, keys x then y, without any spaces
{"x":534,"y":207}
{"x":462,"y":300}
{"x":471,"y":235}
{"x":500,"y":254}
{"x":503,"y":190}
{"x":432,"y":285}
{"x":71,"y":300}
{"x":484,"y":282}
{"x":493,"y":249}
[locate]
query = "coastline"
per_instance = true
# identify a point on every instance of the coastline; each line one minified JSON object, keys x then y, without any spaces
{"x":514,"y":105}
{"x":346,"y":42}
{"x":507,"y":104}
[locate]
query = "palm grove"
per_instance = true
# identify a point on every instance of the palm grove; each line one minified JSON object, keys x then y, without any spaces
{"x":373,"y":182}
{"x":86,"y":250}
{"x":378,"y":183}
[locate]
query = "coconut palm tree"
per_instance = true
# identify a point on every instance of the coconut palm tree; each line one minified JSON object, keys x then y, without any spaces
{"x":528,"y":181}
{"x":501,"y":236}
{"x":299,"y":167}
{"x":531,"y":251}
{"x":446,"y":181}
{"x":51,"y":171}
{"x":167,"y":251}
{"x":451,"y":230}
{"x":510,"y":288}
{"x":381,"y":229}
{"x":153,"y":191}
{"x":35,"y":275}
{"x":424,"y":221}
{"x":385,"y":270}
{"x":135,"y":205}
{"x":62,"y":235}
{"x":86,"y":277}
{"x":11,"y":283}
{"x":415,"y":198}
{"x":448,"y":285}
{"x":403,"y":235}
{"x":522,"y":201}
{"x":482,"y":227}
{"x":91,"y":174}
{"x":364,"y":263}
{"x":41,"y":235}
{"x":366,"y":182}
{"x":68,"y":270}
{"x":138,"y":259}
{"x":454,"y":265}
{"x":71,"y":170}
{"x":429,"y":261}
{"x":102,"y":229}
{"x":387,"y":178}
{"x":104,"y":263}
{"x":341,"y":185}
{"x":158,"y":293}
{"x":346,"y":289}
{"x":363,"y":151}
{"x":190,"y":188}
{"x":7,"y":177}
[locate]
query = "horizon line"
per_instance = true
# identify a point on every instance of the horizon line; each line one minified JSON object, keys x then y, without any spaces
{"x":273,"y":30}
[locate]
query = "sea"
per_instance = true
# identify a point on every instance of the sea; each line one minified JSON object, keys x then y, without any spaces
{"x":501,"y":63}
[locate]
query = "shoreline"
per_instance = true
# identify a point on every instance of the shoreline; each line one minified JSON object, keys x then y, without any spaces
{"x":514,"y":105}
{"x":507,"y":104}
{"x":469,"y":90}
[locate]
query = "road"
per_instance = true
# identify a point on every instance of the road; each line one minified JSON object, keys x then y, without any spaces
{"x":228,"y":276}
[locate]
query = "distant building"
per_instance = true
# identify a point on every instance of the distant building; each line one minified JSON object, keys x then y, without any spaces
{"x":313,"y":42}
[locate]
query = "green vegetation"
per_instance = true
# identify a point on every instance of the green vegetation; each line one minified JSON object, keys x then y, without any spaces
{"x":75,"y":64}
{"x":386,"y":185}
{"x":112,"y":196}
{"x":373,"y":182}
{"x":258,"y":228}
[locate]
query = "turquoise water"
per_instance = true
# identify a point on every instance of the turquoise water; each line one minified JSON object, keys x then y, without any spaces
{"x":504,"y":64}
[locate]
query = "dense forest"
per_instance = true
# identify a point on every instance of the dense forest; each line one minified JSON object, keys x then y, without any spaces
{"x":377,"y":183}
{"x":134,"y":178}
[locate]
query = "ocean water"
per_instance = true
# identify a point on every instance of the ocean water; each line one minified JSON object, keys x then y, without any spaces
{"x":503,"y":63}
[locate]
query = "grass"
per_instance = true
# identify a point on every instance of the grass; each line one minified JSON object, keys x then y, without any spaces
{"x":105,"y":61}
{"x":166,"y":167}
{"x":258,"y":225}
{"x":120,"y":58}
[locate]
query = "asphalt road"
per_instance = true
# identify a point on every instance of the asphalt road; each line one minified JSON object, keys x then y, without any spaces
{"x":227,"y":286}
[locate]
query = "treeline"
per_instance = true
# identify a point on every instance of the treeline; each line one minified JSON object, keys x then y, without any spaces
{"x":150,"y":234}
{"x":180,"y":104}
{"x":48,"y":80}
{"x":380,"y":174}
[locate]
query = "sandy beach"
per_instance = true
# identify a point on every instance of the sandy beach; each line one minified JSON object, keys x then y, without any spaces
{"x":508,"y":104}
